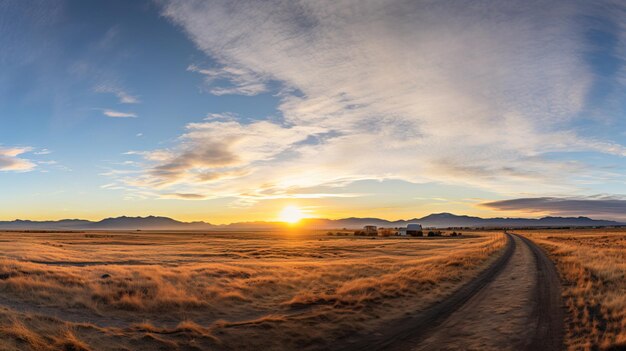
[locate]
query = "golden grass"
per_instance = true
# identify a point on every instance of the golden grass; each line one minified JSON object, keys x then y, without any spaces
{"x":592,"y":264}
{"x":221,"y":290}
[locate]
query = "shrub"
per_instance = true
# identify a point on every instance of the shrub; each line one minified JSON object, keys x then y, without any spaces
{"x":416,"y":233}
{"x":386,"y":232}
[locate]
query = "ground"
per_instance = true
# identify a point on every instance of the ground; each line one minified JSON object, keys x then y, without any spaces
{"x":521,"y":290}
{"x":236,"y":290}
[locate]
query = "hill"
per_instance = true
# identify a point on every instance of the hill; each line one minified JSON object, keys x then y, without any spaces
{"x":436,"y":220}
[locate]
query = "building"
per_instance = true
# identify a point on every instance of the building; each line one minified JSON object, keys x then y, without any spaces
{"x":412,"y":229}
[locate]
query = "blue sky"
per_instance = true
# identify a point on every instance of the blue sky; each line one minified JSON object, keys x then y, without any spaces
{"x":225,"y":111}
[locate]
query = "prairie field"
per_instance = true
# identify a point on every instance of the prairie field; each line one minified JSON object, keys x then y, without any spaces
{"x":592,"y":265}
{"x":222,"y":290}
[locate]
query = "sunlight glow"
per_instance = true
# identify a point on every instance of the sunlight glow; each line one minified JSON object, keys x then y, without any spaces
{"x":291,"y":214}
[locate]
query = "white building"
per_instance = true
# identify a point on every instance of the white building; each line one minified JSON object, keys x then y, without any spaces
{"x":411,"y":229}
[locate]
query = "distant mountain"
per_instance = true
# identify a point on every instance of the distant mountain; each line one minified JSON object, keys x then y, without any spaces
{"x":117,"y":223}
{"x":64,"y":224}
{"x":451,"y":220}
{"x":150,"y":222}
{"x":436,"y":220}
{"x":444,"y":220}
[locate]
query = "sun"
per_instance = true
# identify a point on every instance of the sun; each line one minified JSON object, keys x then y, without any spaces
{"x":291,"y":214}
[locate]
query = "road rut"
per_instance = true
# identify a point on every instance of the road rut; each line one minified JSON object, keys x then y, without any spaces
{"x":514,"y":304}
{"x":496,"y":318}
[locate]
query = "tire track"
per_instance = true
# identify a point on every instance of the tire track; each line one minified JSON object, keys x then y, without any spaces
{"x":407,"y":331}
{"x":548,"y":308}
{"x":528,"y":317}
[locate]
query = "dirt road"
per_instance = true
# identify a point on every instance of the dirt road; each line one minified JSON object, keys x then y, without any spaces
{"x":514,"y":305}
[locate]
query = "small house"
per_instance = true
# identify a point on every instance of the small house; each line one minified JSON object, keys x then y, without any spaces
{"x":412,"y":229}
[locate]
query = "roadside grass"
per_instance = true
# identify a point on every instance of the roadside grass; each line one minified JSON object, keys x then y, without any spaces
{"x":592,"y":264}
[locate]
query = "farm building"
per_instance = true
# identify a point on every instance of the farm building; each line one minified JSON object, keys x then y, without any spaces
{"x":413,"y":229}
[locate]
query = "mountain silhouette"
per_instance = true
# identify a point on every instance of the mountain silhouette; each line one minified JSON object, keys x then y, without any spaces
{"x":435,"y":220}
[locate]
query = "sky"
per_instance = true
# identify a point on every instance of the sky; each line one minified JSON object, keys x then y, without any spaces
{"x":227,"y":111}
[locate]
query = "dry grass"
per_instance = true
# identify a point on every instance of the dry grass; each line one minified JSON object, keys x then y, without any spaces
{"x":592,"y":264}
{"x":81,"y":291}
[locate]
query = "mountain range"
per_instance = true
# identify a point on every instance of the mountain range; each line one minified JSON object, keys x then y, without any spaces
{"x":436,"y":220}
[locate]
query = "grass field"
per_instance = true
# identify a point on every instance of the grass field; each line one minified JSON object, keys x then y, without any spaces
{"x":236,"y":290}
{"x":592,"y":264}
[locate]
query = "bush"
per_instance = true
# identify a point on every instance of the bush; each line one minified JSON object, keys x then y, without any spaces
{"x":386,"y":232}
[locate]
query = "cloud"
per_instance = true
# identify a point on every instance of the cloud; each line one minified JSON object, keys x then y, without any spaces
{"x":595,"y":206}
{"x":43,"y":152}
{"x":241,"y":81}
{"x":9,"y":160}
{"x":118,"y":114}
{"x":480,"y":93}
{"x":186,"y":196}
{"x":123,"y":96}
{"x":216,"y":150}
{"x":127,"y":99}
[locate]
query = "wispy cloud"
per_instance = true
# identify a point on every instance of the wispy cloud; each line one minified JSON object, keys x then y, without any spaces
{"x":123,"y":96}
{"x":185,"y":196}
{"x":237,"y":149}
{"x":118,"y":114}
{"x":10,"y":159}
{"x":472,"y":93}
{"x":42,"y":152}
{"x":239,"y":80}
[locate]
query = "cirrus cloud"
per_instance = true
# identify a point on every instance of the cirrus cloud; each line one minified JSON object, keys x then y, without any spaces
{"x":240,"y":81}
{"x":123,"y":96}
{"x":118,"y":114}
{"x":478,"y":93}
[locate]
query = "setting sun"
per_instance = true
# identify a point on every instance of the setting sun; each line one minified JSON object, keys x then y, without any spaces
{"x":291,"y":214}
